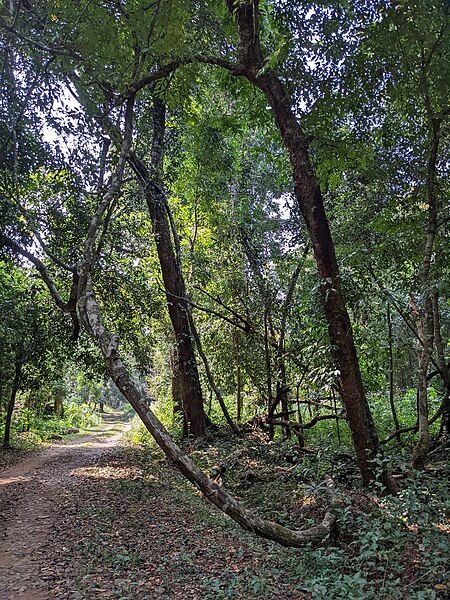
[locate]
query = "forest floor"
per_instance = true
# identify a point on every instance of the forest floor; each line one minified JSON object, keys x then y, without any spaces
{"x":97,"y":518}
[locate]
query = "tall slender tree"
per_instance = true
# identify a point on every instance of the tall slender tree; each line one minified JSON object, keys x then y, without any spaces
{"x":152,"y":184}
{"x":252,"y":65}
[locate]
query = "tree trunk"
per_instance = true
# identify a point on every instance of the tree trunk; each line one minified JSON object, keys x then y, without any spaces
{"x":237,"y":357}
{"x":269,"y":331}
{"x":340,"y":332}
{"x":58,"y":405}
{"x":391,"y":375}
{"x":282,"y":388}
{"x":11,"y":403}
{"x":309,"y":198}
{"x":444,"y":430}
{"x":270,"y":400}
{"x":209,"y":375}
{"x":282,"y":396}
{"x":93,"y":322}
{"x":177,"y":393}
{"x":422,"y":447}
{"x":152,"y":187}
{"x":423,"y":442}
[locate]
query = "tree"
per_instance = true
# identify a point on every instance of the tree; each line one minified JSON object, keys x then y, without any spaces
{"x":252,"y":65}
{"x":152,"y":185}
{"x":28,"y":327}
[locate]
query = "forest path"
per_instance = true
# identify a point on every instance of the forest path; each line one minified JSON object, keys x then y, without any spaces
{"x":98,"y":519}
{"x":32,"y":495}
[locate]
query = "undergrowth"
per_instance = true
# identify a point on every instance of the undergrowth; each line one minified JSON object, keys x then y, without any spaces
{"x":394,"y":547}
{"x":29,"y":430}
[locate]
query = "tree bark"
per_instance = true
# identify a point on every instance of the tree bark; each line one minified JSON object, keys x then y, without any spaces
{"x":310,"y":201}
{"x":237,"y":357}
{"x":444,"y":430}
{"x":391,"y":375}
{"x":152,"y":187}
{"x":422,"y":447}
{"x":58,"y":405}
{"x":177,"y":393}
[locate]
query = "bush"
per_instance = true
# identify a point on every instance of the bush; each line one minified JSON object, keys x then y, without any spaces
{"x":398,"y":550}
{"x":29,"y":430}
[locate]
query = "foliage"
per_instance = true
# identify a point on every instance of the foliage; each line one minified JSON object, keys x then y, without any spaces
{"x":404,"y":538}
{"x":368,"y":82}
{"x":29,"y":429}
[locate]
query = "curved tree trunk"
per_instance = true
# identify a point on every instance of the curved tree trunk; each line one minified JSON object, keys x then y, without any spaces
{"x":310,"y":201}
{"x":93,"y":322}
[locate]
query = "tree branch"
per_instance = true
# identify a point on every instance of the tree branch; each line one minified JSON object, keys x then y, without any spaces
{"x":247,"y":326}
{"x":415,"y":428}
{"x":309,"y":425}
{"x":207,"y":310}
{"x":89,"y":255}
{"x":70,"y":306}
{"x":6,"y":241}
{"x":54,"y":51}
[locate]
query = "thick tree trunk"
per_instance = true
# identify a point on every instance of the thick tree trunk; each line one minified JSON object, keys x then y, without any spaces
{"x":93,"y":322}
{"x":309,"y":198}
{"x":11,"y":403}
{"x":151,"y":183}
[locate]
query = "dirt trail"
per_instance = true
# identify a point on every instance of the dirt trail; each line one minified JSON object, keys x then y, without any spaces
{"x":30,"y":493}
